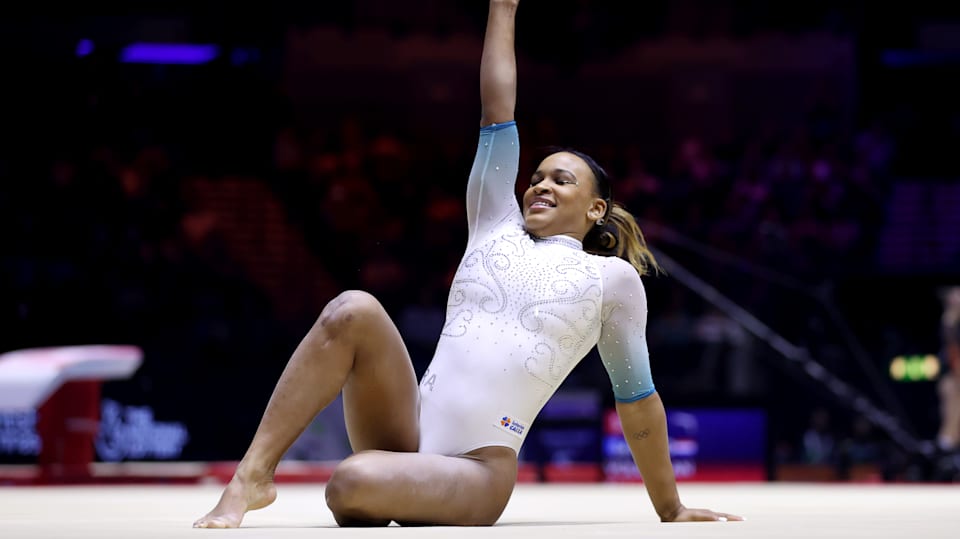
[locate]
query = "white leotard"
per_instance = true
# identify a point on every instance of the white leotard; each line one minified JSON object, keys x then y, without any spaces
{"x":522,"y":312}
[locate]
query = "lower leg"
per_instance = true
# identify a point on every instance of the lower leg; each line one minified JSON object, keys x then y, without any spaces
{"x":316,"y":372}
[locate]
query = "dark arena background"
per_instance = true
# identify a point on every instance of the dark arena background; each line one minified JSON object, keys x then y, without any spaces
{"x":183,"y":187}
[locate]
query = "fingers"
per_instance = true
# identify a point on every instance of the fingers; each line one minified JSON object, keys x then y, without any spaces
{"x":706,"y":515}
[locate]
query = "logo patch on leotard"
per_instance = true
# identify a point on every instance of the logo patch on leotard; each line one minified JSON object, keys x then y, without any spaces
{"x":512,"y":425}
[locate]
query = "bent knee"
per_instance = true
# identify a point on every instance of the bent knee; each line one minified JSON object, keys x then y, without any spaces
{"x":347,"y":310}
{"x":350,"y":488}
{"x":488,"y":516}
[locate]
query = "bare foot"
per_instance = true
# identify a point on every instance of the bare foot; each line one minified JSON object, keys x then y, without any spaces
{"x":240,"y":496}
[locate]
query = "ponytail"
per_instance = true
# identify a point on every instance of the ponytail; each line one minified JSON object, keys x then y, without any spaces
{"x":620,"y":236}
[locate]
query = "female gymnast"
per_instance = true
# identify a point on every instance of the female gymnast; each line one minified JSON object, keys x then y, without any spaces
{"x":538,"y":286}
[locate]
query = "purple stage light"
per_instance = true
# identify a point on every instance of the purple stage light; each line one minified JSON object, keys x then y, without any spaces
{"x":244,"y":55}
{"x":899,"y":58}
{"x":84,"y":47}
{"x":168,"y":53}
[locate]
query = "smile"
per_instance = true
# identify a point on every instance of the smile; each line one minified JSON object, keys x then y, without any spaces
{"x":541,"y":202}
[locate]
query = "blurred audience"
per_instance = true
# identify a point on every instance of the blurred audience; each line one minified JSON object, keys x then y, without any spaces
{"x":125,"y":236}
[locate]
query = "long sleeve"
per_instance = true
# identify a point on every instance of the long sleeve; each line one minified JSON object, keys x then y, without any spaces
{"x":623,"y":340}
{"x":491,"y":188}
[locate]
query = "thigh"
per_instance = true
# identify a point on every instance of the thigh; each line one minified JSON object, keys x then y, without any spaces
{"x":376,"y":487}
{"x":381,"y":397}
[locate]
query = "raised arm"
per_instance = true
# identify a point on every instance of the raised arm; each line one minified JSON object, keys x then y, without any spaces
{"x":498,"y":65}
{"x":490,"y":189}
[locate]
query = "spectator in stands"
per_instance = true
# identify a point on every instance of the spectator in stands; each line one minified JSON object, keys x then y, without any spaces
{"x":819,"y":442}
{"x":948,"y":437}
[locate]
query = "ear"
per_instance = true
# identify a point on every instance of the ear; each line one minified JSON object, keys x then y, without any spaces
{"x":597,"y":209}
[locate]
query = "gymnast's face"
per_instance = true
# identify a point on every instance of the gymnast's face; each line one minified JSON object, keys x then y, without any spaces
{"x":562,"y":198}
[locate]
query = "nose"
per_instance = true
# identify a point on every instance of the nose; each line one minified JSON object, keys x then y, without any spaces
{"x":540,"y":189}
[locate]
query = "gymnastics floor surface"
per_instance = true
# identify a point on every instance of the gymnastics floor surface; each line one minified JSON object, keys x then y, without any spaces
{"x":536,"y":511}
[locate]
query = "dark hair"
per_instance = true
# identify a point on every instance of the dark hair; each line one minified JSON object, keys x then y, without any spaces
{"x":619,"y":235}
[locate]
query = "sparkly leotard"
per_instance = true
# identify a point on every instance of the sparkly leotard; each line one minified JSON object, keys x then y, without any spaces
{"x":522,"y":312}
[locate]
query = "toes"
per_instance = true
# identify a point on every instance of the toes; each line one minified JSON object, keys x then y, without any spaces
{"x":211,"y":523}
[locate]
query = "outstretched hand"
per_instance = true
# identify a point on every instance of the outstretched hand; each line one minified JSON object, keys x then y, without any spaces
{"x":686,"y":514}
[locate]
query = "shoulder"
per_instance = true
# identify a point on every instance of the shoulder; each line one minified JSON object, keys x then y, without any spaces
{"x":620,"y":278}
{"x":623,"y":289}
{"x":614,"y":268}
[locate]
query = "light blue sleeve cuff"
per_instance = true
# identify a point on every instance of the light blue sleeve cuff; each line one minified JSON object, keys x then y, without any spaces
{"x":635,"y":398}
{"x":497,"y":127}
